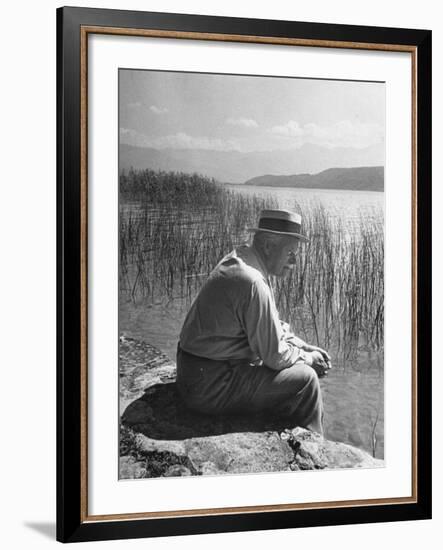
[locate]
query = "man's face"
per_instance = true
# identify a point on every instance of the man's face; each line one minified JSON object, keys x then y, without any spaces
{"x":281,"y":258}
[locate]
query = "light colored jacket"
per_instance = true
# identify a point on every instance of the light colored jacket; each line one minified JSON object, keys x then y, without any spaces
{"x":234,"y":316}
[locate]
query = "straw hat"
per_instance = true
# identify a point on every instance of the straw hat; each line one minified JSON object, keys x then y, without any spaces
{"x":282,"y":222}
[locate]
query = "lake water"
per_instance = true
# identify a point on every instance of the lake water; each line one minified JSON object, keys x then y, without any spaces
{"x":354,"y":390}
{"x":348,"y":206}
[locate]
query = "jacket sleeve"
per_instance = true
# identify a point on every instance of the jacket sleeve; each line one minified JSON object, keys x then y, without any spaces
{"x":289,"y":335}
{"x":265,"y":332}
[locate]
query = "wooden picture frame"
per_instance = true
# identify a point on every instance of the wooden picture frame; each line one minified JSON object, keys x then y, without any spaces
{"x":74,"y":26}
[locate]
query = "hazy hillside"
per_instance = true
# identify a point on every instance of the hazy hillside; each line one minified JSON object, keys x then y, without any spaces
{"x":367,"y":178}
{"x":237,"y":167}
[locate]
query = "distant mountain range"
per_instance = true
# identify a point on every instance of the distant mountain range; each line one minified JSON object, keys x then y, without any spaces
{"x":238,"y":167}
{"x":363,"y":178}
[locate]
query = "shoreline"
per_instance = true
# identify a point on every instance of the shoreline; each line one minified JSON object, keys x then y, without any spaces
{"x":159,"y":437}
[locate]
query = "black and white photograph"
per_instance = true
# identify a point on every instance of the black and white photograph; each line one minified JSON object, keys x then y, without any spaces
{"x":251,"y":274}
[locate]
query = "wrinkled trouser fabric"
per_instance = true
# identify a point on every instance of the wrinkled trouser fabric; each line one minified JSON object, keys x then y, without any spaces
{"x":230,"y":387}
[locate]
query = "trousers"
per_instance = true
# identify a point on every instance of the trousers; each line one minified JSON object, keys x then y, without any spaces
{"x":235,"y":387}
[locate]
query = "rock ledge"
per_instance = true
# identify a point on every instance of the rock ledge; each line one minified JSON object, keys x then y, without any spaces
{"x":160,"y":437}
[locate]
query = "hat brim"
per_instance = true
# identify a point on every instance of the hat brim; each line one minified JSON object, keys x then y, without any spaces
{"x":297,"y":235}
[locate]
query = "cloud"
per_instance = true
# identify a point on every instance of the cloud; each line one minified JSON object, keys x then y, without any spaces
{"x":244,"y":122}
{"x":135,"y":105}
{"x":127,"y":134}
{"x":180,"y":140}
{"x":158,"y":110}
{"x":290,"y":129}
{"x":284,"y":137}
{"x":341,"y":134}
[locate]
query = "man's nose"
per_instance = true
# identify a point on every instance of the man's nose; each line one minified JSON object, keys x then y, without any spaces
{"x":292,"y":258}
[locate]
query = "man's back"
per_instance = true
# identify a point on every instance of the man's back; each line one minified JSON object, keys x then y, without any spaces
{"x":215,"y":326}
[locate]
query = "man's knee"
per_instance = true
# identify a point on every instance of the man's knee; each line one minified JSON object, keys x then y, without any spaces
{"x":304,"y":374}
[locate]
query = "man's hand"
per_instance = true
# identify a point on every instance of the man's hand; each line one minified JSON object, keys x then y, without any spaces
{"x":316,"y":357}
{"x":325,"y":354}
{"x":316,"y":360}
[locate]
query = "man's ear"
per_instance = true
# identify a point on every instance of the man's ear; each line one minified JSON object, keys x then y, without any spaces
{"x":266,"y":247}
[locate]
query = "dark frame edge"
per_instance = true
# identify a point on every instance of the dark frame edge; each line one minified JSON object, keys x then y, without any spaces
{"x":173,"y":21}
{"x":167,"y":527}
{"x":68,"y":275}
{"x":424,"y":271}
{"x":59,"y":247}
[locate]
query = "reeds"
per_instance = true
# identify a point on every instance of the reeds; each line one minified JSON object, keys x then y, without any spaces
{"x":335,"y":295}
{"x":174,"y":228}
{"x":169,"y":188}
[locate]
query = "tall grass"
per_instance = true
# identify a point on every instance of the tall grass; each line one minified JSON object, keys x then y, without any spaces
{"x":335,"y":295}
{"x":169,"y":188}
{"x":178,"y":226}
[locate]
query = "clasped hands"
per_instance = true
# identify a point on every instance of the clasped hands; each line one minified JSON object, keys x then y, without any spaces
{"x":318,"y":359}
{"x":315,"y":357}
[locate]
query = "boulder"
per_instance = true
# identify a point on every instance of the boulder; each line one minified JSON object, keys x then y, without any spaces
{"x":160,"y":437}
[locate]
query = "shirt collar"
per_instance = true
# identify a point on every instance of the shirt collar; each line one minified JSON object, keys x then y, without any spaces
{"x":252,"y":258}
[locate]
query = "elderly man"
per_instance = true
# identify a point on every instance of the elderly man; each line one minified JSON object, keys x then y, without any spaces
{"x":234,"y":354}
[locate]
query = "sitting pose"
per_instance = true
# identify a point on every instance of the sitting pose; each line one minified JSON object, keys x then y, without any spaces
{"x":234,"y":354}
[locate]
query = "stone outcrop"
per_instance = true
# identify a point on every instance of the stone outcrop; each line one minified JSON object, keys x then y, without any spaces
{"x":159,"y":436}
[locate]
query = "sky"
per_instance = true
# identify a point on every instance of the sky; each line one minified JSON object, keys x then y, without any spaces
{"x":186,"y":111}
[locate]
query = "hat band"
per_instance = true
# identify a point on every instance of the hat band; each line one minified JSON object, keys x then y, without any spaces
{"x":274,"y":224}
